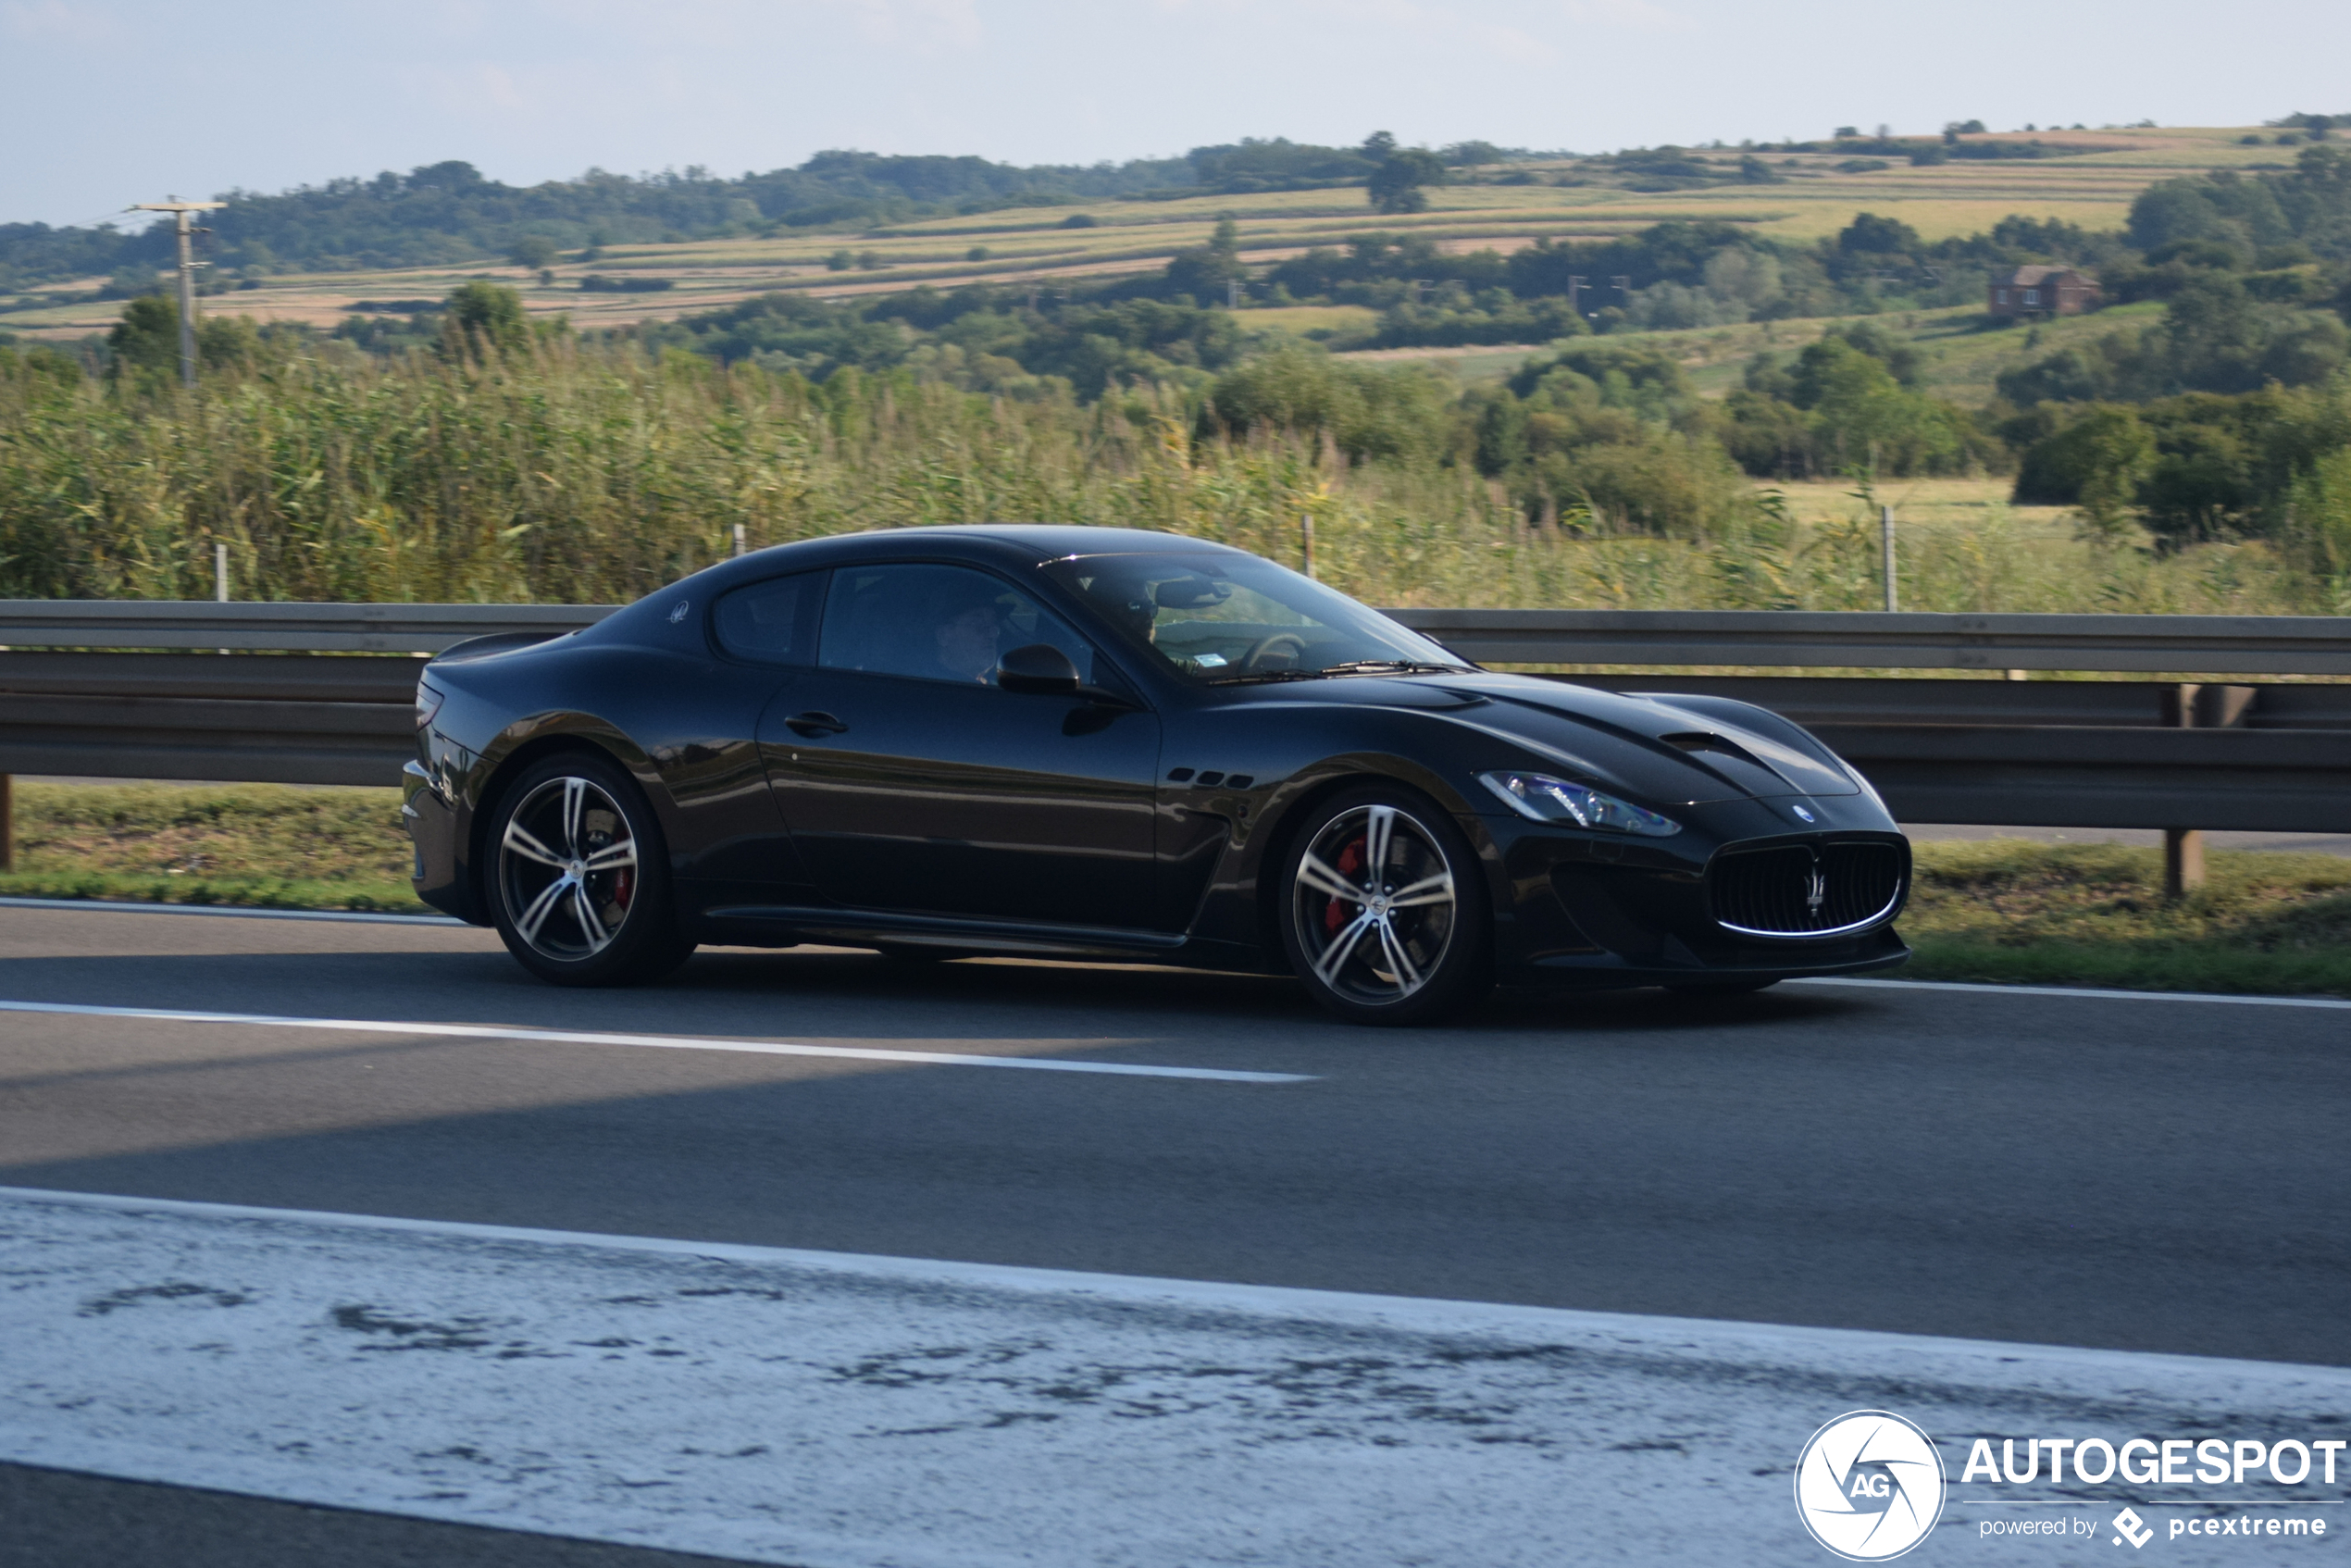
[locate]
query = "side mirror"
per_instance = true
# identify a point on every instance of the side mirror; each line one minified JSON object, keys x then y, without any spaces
{"x":1039,"y":667}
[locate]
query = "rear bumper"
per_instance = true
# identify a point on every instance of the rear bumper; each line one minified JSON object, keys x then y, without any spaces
{"x":437,"y":872}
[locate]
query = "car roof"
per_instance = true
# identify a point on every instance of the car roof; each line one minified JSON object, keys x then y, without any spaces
{"x":1008,"y":545}
{"x":1043,"y":541}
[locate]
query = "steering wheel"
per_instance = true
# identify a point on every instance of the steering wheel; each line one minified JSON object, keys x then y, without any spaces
{"x":1275,"y":644}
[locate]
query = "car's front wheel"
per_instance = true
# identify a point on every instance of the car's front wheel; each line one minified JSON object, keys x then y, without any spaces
{"x":580,"y":884}
{"x":1384,"y":909}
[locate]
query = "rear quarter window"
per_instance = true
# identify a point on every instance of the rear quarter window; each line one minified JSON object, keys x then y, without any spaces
{"x":773,"y":622}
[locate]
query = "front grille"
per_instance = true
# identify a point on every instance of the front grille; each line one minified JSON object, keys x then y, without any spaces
{"x":1805,"y":889}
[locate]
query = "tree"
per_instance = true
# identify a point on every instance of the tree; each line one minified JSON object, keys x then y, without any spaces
{"x":2095,"y":464}
{"x":2319,"y":522}
{"x":483,"y":318}
{"x":1204,"y":274}
{"x":1869,"y":234}
{"x":532,"y":253}
{"x":144,"y":344}
{"x":1396,"y":185}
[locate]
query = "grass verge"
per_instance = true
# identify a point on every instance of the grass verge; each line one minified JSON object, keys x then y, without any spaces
{"x":263,"y":846}
{"x":2003,"y":910}
{"x":2094,"y":915}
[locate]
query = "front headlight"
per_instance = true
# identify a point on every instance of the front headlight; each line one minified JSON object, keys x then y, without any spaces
{"x":1545,"y":799}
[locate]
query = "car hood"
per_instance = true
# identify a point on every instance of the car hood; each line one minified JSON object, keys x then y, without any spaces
{"x":1649,"y":748}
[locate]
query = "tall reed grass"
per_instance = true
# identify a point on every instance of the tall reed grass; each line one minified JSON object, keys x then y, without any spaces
{"x":585,"y":474}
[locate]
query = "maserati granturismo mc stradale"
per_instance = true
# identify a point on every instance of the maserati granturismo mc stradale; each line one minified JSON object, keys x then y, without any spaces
{"x":1104,"y":744}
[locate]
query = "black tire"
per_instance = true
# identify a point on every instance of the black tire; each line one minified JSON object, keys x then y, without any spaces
{"x":1367,"y":961}
{"x":1722,"y":987}
{"x":578,"y":876}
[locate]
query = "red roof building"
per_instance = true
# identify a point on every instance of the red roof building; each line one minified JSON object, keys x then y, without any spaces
{"x":2041,"y":291}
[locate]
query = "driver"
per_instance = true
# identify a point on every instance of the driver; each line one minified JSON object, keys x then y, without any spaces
{"x":969,"y":630}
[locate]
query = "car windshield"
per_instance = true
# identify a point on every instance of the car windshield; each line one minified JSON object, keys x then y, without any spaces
{"x":1226,"y":620}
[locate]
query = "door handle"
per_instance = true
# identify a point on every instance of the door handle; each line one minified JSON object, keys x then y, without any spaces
{"x":814,"y":722}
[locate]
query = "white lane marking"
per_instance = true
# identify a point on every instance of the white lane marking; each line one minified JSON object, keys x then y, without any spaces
{"x":2047,"y":992}
{"x":824,"y":1409}
{"x":659,"y":1043}
{"x":118,"y":906}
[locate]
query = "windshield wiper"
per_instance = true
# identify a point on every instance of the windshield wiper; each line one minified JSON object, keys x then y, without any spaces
{"x":1393,"y":666}
{"x":1252,"y":677}
{"x":1353,"y":666}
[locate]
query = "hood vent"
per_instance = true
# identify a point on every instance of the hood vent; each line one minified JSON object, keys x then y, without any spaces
{"x":1702,"y":741}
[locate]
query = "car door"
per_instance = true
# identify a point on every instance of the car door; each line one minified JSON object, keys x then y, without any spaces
{"x":911,"y":783}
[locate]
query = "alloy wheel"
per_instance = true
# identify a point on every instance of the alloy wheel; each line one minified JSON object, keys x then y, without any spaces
{"x":1374,"y":906}
{"x":567,"y":869}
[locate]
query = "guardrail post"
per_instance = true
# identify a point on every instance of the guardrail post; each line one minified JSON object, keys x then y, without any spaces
{"x":2182,"y":861}
{"x":2193,"y":706}
{"x":2183,"y":847}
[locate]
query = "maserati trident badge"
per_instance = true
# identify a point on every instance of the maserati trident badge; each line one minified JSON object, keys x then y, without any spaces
{"x":1816,"y":890}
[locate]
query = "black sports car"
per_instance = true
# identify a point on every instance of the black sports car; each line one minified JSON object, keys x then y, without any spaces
{"x":1107,"y":744}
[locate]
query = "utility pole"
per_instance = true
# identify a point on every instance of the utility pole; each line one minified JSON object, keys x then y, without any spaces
{"x":188,"y":265}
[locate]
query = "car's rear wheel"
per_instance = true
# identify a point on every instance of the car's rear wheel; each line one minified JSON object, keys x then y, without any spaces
{"x":581,"y":881}
{"x":1384,"y":910}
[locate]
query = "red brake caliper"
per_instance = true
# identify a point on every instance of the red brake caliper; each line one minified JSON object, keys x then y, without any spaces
{"x":1350,"y":860}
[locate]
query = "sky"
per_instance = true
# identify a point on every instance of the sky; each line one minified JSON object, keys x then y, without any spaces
{"x":107,"y":102}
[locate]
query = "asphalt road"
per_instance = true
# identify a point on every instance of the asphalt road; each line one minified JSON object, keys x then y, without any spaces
{"x":58,"y":1519}
{"x":2157,"y":1175}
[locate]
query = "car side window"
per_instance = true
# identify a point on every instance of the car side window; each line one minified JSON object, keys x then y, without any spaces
{"x":936,"y":623}
{"x":774,"y":622}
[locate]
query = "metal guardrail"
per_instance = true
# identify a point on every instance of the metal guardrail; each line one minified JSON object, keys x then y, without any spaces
{"x":2072,"y":754}
{"x":243,"y":742}
{"x":322,"y":629}
{"x":1753,"y":639}
{"x":1784,"y":639}
{"x":2055,"y":753}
